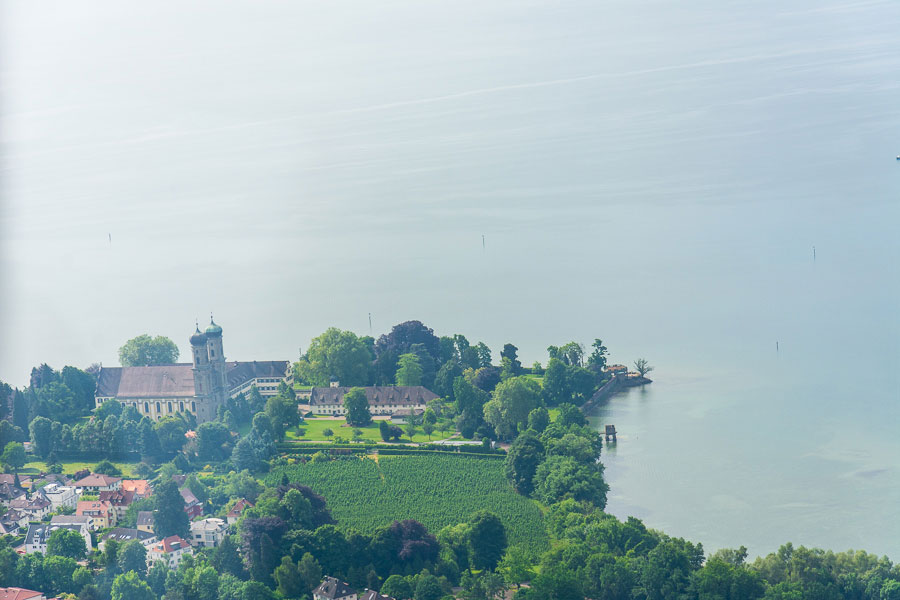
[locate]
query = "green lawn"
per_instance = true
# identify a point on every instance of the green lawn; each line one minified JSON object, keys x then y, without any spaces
{"x":538,"y":378}
{"x":315,"y":427}
{"x":69,"y":467}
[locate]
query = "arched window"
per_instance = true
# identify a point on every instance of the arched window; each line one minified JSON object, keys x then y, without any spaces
{"x":158,"y":409}
{"x":146,"y":408}
{"x":193,"y":407}
{"x":170,"y":407}
{"x":182,"y":407}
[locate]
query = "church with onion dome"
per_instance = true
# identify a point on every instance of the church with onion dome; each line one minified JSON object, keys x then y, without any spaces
{"x":200,"y":387}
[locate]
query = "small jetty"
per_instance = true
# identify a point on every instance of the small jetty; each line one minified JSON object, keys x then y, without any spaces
{"x":611,"y":433}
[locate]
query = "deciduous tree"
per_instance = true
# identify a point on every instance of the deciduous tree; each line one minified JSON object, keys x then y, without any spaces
{"x":409,"y":371}
{"x":283,"y":414}
{"x":642,"y":366}
{"x":357,"y":406}
{"x":133,"y":557}
{"x":336,"y":354}
{"x":143,"y":351}
{"x":13,"y":457}
{"x":522,"y":460}
{"x":129,"y":586}
{"x":561,"y":477}
{"x":66,"y":542}
{"x":510,"y":405}
{"x":512,"y":353}
{"x":487,"y":540}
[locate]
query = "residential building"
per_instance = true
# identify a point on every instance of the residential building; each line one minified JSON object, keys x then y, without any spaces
{"x":235,"y":513}
{"x":9,"y":492}
{"x":59,"y":495}
{"x":123,"y":535}
{"x":383,"y":399}
{"x":96,"y":483}
{"x":170,"y":550}
{"x":208,"y":533}
{"x":14,"y":593}
{"x":39,"y":533}
{"x":373,"y":595}
{"x":36,"y":508}
{"x":21,"y":481}
{"x":402,"y":415}
{"x":192,"y":506}
{"x":85,"y":520}
{"x":119,"y":500}
{"x":199,"y":387}
{"x":140,"y":487}
{"x":334,"y":589}
{"x":145,"y":521}
{"x":104,"y":515}
{"x":12,"y":521}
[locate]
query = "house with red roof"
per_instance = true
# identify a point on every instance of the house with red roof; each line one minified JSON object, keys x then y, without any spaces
{"x":15,"y":593}
{"x":170,"y":550}
{"x":103,"y":513}
{"x":192,"y":506}
{"x":119,"y":500}
{"x":237,"y":510}
{"x":140,"y":487}
{"x":96,"y":483}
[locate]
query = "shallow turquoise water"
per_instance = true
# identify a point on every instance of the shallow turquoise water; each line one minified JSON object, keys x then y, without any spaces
{"x":655,"y":174}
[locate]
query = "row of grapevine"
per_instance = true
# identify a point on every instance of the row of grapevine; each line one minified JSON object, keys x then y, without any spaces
{"x":437,"y":490}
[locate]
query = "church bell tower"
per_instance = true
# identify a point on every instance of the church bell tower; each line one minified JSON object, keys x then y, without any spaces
{"x":216,"y":355}
{"x":203,"y":376}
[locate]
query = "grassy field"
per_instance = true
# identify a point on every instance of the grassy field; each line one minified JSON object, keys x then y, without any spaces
{"x":315,"y":427}
{"x":436,"y":490}
{"x":70,"y":467}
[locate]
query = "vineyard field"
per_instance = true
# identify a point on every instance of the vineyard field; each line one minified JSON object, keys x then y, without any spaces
{"x":435,"y":490}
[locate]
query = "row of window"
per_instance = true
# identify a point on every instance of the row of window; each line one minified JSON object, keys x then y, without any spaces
{"x":170,"y":407}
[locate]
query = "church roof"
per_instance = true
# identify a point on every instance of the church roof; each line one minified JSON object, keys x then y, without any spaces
{"x":177,"y":380}
{"x":163,"y":381}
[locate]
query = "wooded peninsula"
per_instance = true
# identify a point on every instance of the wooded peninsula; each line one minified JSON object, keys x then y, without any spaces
{"x":409,"y":467}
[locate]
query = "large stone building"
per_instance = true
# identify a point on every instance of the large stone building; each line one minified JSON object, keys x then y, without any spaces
{"x":383,"y":399}
{"x":199,"y":387}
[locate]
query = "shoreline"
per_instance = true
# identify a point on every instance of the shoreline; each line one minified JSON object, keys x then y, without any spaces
{"x":612,"y":387}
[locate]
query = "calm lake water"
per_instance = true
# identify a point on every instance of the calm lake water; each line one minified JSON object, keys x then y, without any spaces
{"x":655,"y":174}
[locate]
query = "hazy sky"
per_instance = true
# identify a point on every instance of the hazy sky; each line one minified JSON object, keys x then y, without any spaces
{"x":652,"y":173}
{"x":296,"y":165}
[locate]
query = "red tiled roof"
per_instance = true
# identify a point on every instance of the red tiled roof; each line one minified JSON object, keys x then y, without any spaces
{"x":239,"y":507}
{"x":141,"y":487}
{"x":18,"y":594}
{"x":96,"y":480}
{"x":117,"y":497}
{"x":92,"y":506}
{"x":172,"y":543}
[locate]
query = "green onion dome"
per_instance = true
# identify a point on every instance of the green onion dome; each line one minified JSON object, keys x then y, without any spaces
{"x":213,"y":330}
{"x":199,"y":338}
